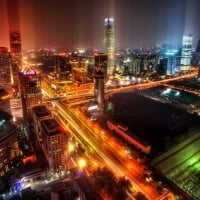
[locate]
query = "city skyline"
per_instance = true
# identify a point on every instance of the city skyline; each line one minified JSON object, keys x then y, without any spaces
{"x":73,"y":24}
{"x":91,"y":125}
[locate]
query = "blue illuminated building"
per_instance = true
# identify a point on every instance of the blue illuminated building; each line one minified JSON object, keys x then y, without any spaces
{"x":170,"y":59}
{"x":186,"y":52}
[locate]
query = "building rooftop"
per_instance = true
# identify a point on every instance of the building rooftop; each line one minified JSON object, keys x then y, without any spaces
{"x":51,"y":127}
{"x":41,"y":111}
{"x":180,"y":165}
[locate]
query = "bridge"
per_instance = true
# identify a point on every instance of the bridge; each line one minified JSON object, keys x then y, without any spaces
{"x":195,"y":92}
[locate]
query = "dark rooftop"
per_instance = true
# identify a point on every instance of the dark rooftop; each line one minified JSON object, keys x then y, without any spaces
{"x":180,"y":165}
{"x":51,"y":126}
{"x":41,"y":111}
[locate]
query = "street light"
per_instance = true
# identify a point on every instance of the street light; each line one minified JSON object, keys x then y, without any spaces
{"x":82,"y":163}
{"x":71,"y":148}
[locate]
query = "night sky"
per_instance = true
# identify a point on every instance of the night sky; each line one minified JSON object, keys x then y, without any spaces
{"x":80,"y":23}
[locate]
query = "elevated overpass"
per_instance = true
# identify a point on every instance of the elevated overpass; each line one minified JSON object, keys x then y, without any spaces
{"x":195,"y":92}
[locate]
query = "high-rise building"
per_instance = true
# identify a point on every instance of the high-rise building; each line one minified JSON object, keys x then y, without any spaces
{"x":14,"y":28}
{"x":8,"y":143}
{"x":109,"y":44}
{"x":53,"y":144}
{"x":40,"y":113}
{"x":186,"y":53}
{"x":15,"y":40}
{"x":172,"y":58}
{"x":62,"y":67}
{"x":30,"y":91}
{"x":5,"y":71}
{"x":15,"y":45}
{"x":99,"y":77}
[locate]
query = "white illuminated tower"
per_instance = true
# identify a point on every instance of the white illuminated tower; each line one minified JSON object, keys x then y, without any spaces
{"x":109,"y":44}
{"x":186,"y":53}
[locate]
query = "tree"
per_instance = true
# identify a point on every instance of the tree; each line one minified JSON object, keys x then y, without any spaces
{"x":106,"y":181}
{"x":123,"y":185}
{"x":140,"y":196}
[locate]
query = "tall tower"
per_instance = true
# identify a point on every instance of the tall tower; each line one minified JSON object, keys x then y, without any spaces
{"x":186,"y":53}
{"x":30,"y":91}
{"x":4,"y":66}
{"x":109,"y":44}
{"x":15,"y":40}
{"x":99,"y":75}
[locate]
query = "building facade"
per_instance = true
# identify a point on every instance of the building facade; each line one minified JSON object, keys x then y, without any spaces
{"x":9,"y":150}
{"x":186,"y":53}
{"x":109,"y":45}
{"x":5,"y":71}
{"x":53,"y":144}
{"x":62,"y":67}
{"x":30,"y":91}
{"x":99,"y":78}
{"x":39,"y":113}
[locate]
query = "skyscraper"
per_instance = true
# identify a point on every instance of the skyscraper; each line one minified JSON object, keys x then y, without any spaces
{"x":53,"y":142}
{"x":30,"y":91}
{"x":99,"y":75}
{"x":186,"y":53}
{"x":15,"y":40}
{"x":62,"y":67}
{"x":4,"y":66}
{"x":109,"y":44}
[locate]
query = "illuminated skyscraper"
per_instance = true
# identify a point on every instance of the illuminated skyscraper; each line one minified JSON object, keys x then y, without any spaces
{"x":4,"y":66}
{"x":99,"y":75}
{"x":30,"y":91}
{"x":109,"y":44}
{"x":15,"y":45}
{"x":186,"y":53}
{"x":15,"y":40}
